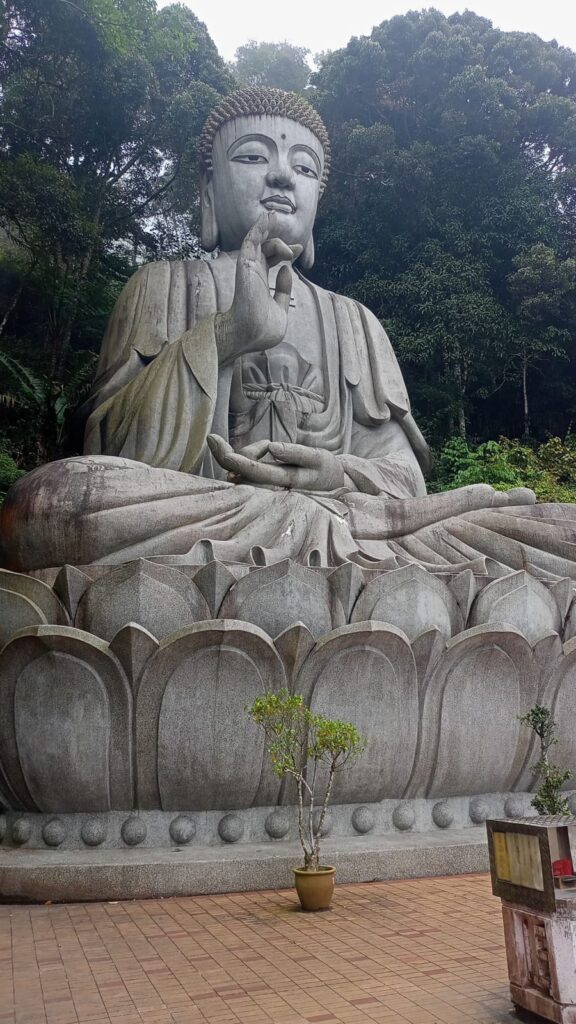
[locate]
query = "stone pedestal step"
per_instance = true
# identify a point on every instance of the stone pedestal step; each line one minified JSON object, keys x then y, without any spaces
{"x":34,"y":875}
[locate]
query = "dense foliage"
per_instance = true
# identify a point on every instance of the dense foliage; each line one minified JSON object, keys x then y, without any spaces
{"x":549,"y":469}
{"x":101,"y":104}
{"x":451,"y":212}
{"x":279,"y":65}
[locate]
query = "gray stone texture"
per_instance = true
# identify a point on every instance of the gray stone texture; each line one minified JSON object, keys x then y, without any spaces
{"x":196,"y":747}
{"x":68,"y":697}
{"x":68,"y":875}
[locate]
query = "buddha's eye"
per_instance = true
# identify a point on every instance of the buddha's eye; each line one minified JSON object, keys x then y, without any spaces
{"x":250,"y":158}
{"x":306,"y":170}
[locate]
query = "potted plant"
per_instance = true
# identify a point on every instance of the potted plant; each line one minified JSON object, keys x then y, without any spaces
{"x":548,"y":798}
{"x":311,"y":749}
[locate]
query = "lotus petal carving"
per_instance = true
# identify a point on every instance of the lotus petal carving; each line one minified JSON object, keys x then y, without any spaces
{"x":411,"y":599}
{"x":65,"y":723}
{"x":365,"y":674}
{"x":521,"y":600}
{"x":277,"y":596}
{"x":196,"y":747}
{"x":157,"y":597}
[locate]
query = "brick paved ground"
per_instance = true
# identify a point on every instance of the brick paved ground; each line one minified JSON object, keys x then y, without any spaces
{"x":425,"y":951}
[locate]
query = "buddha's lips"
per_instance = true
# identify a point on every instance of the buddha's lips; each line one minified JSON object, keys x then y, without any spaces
{"x":279,"y":204}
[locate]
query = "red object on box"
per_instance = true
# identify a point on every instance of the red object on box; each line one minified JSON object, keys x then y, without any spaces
{"x":562,"y":868}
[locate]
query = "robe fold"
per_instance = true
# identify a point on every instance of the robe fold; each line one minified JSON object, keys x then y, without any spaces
{"x":148,"y":486}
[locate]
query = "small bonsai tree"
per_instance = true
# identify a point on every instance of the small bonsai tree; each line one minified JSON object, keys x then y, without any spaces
{"x":300,"y":745}
{"x":548,"y":798}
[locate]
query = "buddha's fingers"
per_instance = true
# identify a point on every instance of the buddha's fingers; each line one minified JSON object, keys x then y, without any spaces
{"x":276,"y":251}
{"x":251,"y":247}
{"x":262,"y":473}
{"x":295,"y":454}
{"x":283,"y":288}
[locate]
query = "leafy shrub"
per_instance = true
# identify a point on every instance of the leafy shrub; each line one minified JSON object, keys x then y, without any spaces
{"x":548,"y":799}
{"x":9,"y":472}
{"x":549,"y":470}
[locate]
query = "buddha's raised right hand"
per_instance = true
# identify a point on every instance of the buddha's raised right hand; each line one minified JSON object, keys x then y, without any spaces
{"x":256,"y":319}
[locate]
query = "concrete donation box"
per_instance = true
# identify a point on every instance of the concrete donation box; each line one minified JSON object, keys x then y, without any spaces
{"x":532,"y":866}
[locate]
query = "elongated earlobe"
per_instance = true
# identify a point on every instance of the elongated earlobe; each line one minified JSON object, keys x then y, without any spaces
{"x":307,"y":258}
{"x":209,"y":234}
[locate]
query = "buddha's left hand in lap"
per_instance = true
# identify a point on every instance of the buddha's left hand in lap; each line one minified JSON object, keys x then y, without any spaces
{"x":277,"y":464}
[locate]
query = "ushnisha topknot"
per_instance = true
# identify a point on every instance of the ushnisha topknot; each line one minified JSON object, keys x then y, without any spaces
{"x":255,"y":101}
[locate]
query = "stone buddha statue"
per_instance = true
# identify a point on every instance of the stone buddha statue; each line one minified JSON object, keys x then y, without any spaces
{"x":242,"y":413}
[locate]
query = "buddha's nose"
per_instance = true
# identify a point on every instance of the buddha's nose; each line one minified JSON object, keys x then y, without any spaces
{"x":281,"y":175}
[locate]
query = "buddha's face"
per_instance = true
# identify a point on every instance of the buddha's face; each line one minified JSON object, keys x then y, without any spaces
{"x":263,"y":163}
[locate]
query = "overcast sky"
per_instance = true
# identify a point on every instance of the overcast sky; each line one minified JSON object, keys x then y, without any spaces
{"x":329,"y":24}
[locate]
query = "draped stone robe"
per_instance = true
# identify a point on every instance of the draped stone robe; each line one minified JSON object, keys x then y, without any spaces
{"x":148,"y":485}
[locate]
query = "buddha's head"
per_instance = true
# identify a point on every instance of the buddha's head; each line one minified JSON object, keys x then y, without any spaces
{"x":262,"y":149}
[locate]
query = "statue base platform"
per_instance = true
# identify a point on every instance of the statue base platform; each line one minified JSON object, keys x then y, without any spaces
{"x":153,"y":854}
{"x":65,"y":876}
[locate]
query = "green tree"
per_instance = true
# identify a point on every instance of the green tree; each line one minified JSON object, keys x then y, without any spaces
{"x":454,"y":162}
{"x":279,"y":65}
{"x":100,"y":106}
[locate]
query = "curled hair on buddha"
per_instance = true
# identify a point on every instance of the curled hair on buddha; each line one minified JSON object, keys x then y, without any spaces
{"x":254,"y":102}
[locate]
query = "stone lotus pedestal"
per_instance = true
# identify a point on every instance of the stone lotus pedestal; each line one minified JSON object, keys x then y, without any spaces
{"x":123,"y":692}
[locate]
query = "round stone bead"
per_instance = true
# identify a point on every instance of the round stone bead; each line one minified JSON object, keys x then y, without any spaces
{"x":277,"y":824}
{"x":403,"y":817}
{"x":21,"y":831}
{"x":231,"y":828}
{"x":94,"y":831}
{"x":54,"y":832}
{"x":515,"y":807}
{"x":133,"y":831}
{"x":478,"y":810}
{"x":363,"y":820}
{"x":442,"y":815}
{"x":182,"y":830}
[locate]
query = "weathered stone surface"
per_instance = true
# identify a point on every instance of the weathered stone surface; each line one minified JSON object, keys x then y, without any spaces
{"x":365,"y":674}
{"x":442,"y":816}
{"x":294,"y":645}
{"x":196,"y":746}
{"x":54,"y":832}
{"x":156,"y":597}
{"x":94,"y":831}
{"x":70,"y":584}
{"x":134,"y":646}
{"x":411,"y":599}
{"x":133,"y":831}
{"x":520,"y":600}
{"x":65,"y":722}
{"x":231,"y":828}
{"x":280,"y":595}
{"x":277,"y":824}
{"x":24,"y":602}
{"x":214,"y":581}
{"x":403,"y":817}
{"x":363,"y":820}
{"x":471,"y":740}
{"x":182,"y":830}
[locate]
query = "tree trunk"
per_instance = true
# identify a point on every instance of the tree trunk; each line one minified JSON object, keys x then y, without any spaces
{"x":459,"y":378}
{"x":13,"y":303}
{"x":526,"y":434}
